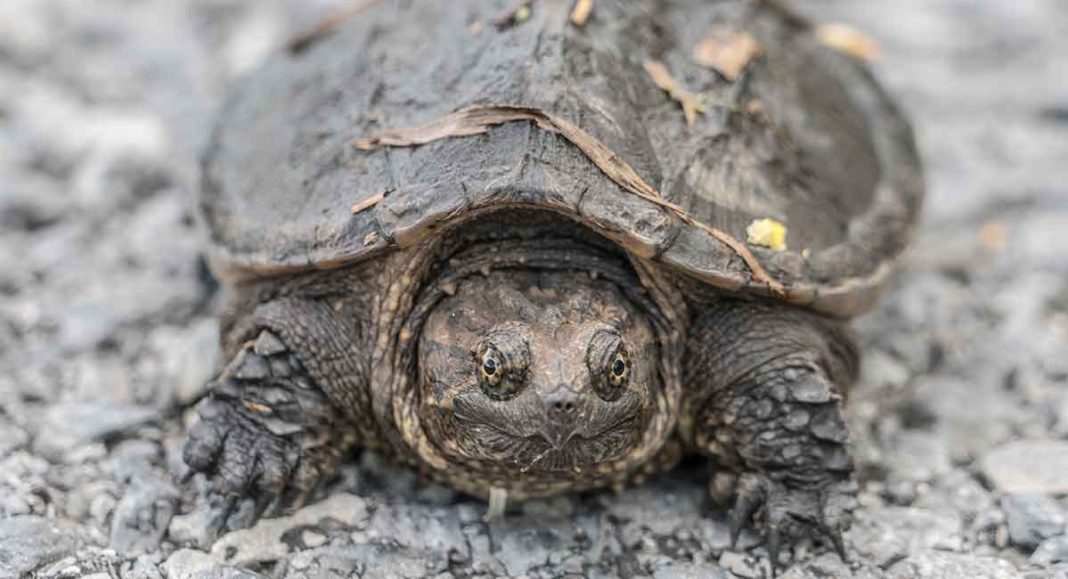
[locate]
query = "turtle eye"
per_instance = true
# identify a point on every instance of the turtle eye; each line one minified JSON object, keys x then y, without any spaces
{"x":609,"y":364}
{"x":491,"y":366}
{"x":502,"y":360}
{"x":620,"y":368}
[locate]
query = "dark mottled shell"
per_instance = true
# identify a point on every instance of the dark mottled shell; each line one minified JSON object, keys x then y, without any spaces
{"x":825,"y":152}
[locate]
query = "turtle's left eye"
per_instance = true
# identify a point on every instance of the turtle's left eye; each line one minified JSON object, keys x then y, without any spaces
{"x":609,"y":364}
{"x":620,"y":369}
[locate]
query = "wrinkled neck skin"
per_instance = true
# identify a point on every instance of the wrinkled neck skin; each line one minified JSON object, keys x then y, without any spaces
{"x":535,"y":362}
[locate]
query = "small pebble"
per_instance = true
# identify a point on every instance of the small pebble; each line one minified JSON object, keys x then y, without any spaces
{"x":1028,"y":466}
{"x":1051,"y":551}
{"x":1032,"y":518}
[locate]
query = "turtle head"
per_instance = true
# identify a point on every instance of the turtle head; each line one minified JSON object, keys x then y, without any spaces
{"x":537,"y":371}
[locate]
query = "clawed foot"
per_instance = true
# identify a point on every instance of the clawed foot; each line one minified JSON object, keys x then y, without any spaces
{"x":243,"y":460}
{"x":787,"y":513}
{"x":262,"y":438}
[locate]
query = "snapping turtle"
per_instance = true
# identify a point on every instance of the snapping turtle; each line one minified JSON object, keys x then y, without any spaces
{"x":501,"y":255}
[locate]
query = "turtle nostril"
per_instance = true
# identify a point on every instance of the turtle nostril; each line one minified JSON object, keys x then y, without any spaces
{"x":564,"y":406}
{"x":561,"y":414}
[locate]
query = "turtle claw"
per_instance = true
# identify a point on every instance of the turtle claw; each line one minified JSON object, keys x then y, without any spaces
{"x":835,"y":535}
{"x":265,"y":504}
{"x":220,"y":517}
{"x":744,"y":508}
{"x":186,"y":478}
{"x":244,"y":460}
{"x":788,"y":513}
{"x":774,"y":546}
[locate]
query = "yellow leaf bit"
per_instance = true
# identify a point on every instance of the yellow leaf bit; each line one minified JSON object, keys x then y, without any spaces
{"x":581,"y":12}
{"x":767,"y":233}
{"x":690,"y":102}
{"x":847,"y":40}
{"x":726,"y":51}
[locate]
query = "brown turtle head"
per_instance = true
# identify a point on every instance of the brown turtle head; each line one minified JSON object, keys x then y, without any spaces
{"x":537,"y":371}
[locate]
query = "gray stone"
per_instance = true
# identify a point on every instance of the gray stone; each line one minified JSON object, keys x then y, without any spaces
{"x":1032,"y":517}
{"x":263,"y":542}
{"x":191,"y":529}
{"x":435,"y":533}
{"x":146,"y":573}
{"x":917,"y":456}
{"x":89,"y":562}
{"x":1061,"y":426}
{"x":887,"y":534}
{"x":957,"y":491}
{"x":145,"y":567}
{"x":1028,"y":466}
{"x":311,"y":539}
{"x":521,"y":549}
{"x":1056,"y":572}
{"x":223,"y":572}
{"x":131,"y":459}
{"x":830,"y":566}
{"x":378,"y":559}
{"x":27,"y":543}
{"x":940,"y":565}
{"x":1051,"y":551}
{"x":184,"y":563}
{"x":190,"y":564}
{"x":69,"y":425}
{"x":141,"y":516}
{"x":11,"y":437}
{"x":741,"y":565}
{"x":967,"y":429}
{"x":690,"y":571}
{"x":196,"y":361}
{"x":665,"y":510}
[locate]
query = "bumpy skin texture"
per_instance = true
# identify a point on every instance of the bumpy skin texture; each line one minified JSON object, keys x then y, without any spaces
{"x":763,"y":387}
{"x":265,"y":431}
{"x":293,"y":399}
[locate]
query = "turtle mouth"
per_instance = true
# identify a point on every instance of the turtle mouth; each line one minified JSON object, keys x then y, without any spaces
{"x":540,"y":453}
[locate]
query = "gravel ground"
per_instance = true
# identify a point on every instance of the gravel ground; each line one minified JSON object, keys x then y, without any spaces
{"x":107,"y":332}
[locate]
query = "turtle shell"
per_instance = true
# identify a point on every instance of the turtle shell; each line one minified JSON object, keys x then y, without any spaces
{"x":298,"y":176}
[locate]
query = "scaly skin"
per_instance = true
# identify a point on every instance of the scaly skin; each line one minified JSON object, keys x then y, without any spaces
{"x":763,"y":390}
{"x":294,"y":397}
{"x":265,"y":431}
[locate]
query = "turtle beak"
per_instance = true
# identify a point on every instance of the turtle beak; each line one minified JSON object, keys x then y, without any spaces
{"x":557,"y":435}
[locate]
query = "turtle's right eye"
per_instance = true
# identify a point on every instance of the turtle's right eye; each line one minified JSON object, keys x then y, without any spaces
{"x":491,"y":366}
{"x":502,"y":360}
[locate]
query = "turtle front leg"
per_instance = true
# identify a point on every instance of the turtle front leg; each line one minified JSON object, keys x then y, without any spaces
{"x":764,"y":387}
{"x":266,"y":432}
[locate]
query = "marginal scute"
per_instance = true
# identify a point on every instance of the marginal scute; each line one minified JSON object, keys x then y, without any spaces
{"x":407,"y":216}
{"x":695,"y":251}
{"x":643,"y":229}
{"x":825,"y":153}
